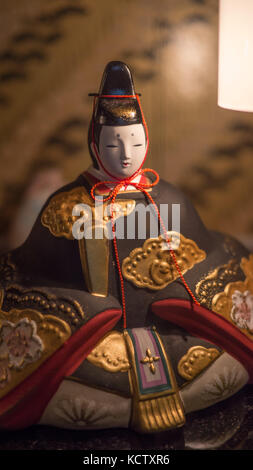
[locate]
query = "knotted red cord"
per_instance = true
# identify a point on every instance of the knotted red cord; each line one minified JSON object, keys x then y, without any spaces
{"x":118,"y":184}
{"x":112,"y":195}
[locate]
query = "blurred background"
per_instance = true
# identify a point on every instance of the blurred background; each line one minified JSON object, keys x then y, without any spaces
{"x":53,"y":53}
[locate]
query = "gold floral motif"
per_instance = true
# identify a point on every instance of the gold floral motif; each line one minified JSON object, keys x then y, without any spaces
{"x":110,"y":353}
{"x":152,"y":266}
{"x":58,"y":218}
{"x":216,"y":281}
{"x":225,"y":302}
{"x":196,"y":360}
{"x":149,"y":359}
{"x":49,"y":332}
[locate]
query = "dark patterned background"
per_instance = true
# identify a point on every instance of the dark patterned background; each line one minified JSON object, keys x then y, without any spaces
{"x":52,"y":54}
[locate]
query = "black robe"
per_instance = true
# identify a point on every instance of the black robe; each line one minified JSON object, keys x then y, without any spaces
{"x":46,"y":274}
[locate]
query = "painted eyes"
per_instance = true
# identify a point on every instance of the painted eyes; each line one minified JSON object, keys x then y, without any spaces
{"x":116,"y":146}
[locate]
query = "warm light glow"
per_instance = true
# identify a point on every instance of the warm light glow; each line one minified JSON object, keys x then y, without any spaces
{"x":235,"y":84}
{"x":189,"y":60}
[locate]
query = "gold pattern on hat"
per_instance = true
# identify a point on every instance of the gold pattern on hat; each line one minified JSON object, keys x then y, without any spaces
{"x":152,"y":267}
{"x":122,"y":108}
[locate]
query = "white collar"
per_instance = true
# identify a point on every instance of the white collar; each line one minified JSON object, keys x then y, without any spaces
{"x":101,"y":175}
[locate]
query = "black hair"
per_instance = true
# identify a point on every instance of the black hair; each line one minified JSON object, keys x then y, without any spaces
{"x":97,"y":131}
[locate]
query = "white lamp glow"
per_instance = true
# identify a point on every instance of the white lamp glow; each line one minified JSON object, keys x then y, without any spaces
{"x":235,"y":81}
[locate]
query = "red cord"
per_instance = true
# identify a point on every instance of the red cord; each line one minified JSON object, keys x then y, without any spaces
{"x":113,"y":194}
{"x":140,"y":186}
{"x":171,"y":250}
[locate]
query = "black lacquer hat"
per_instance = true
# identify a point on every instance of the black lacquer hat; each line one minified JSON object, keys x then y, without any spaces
{"x":116,"y":103}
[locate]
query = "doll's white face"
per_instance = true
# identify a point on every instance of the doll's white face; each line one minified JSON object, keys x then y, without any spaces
{"x":122,"y":149}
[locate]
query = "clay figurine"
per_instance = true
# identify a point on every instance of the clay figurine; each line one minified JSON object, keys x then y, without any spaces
{"x":104,"y":320}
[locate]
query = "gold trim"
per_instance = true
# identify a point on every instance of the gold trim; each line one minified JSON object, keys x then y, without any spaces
{"x":110,"y":353}
{"x":52,"y":332}
{"x":50,"y":302}
{"x":222,"y":303}
{"x":133,"y":370}
{"x":158,"y":411}
{"x":94,"y":252}
{"x":94,"y":255}
{"x":123,"y":109}
{"x":57,"y":216}
{"x":196,"y":360}
{"x":157,"y":414}
{"x":152,"y":267}
{"x":216,"y":281}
